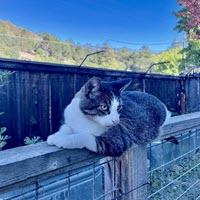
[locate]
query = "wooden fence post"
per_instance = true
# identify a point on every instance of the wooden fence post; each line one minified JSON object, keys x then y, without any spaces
{"x":131,"y":174}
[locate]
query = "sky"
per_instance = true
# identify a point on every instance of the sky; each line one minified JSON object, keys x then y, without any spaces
{"x":121,"y":23}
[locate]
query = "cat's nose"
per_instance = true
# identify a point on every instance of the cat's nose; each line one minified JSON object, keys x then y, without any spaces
{"x":116,"y":121}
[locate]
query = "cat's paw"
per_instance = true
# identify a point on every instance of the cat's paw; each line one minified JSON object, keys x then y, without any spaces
{"x":54,"y":139}
{"x":60,"y":142}
{"x":50,"y":140}
{"x":73,"y":141}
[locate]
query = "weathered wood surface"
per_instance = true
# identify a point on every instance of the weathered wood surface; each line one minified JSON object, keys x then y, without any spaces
{"x":181,"y":124}
{"x":192,"y":89}
{"x":131,"y":174}
{"x":23,"y":165}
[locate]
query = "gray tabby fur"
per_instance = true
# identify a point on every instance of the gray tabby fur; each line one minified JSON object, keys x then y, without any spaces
{"x":141,"y":118}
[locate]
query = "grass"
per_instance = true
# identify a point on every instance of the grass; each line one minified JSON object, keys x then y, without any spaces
{"x":177,"y":180}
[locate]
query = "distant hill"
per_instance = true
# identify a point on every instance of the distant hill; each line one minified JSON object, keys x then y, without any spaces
{"x":6,"y":27}
{"x":20,"y":43}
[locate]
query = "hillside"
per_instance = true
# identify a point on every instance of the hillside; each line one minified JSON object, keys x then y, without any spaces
{"x":8,"y":28}
{"x":19,"y":43}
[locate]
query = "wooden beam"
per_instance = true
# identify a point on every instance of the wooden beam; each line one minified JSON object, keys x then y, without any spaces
{"x":180,"y":124}
{"x":24,"y":165}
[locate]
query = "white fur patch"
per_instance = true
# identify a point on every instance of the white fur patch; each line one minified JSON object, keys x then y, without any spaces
{"x":73,"y":141}
{"x":80,"y":123}
{"x":168,"y":116}
{"x":111,"y":119}
{"x":79,"y":131}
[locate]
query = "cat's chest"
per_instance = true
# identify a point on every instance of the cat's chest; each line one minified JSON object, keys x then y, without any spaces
{"x":79,"y":122}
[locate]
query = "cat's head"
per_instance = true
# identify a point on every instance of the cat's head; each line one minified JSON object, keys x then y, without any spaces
{"x":101,"y":100}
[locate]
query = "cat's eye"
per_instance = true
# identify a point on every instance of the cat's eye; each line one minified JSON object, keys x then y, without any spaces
{"x":104,"y":107}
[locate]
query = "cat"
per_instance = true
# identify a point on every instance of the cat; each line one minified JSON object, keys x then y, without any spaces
{"x":105,"y":119}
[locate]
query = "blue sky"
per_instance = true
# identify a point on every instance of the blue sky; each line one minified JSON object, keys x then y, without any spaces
{"x":96,"y":21}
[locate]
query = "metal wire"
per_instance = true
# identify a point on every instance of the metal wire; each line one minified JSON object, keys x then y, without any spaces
{"x":172,"y":161}
{"x":187,"y":182}
{"x":188,"y":189}
{"x":158,"y":191}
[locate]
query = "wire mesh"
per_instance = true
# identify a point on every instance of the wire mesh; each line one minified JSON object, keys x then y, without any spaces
{"x":91,"y":182}
{"x":174,"y":169}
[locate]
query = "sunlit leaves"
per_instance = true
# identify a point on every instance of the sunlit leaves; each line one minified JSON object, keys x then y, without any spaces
{"x":189,"y":17}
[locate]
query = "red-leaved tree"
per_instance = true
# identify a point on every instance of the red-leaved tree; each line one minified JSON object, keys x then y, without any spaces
{"x":189,"y":17}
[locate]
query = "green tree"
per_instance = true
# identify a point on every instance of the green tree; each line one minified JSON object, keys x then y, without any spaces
{"x":66,"y":52}
{"x":79,"y":54}
{"x":192,"y":53}
{"x":123,"y":57}
{"x":189,"y":22}
{"x":141,"y":60}
{"x":107,"y":59}
{"x":174,"y":57}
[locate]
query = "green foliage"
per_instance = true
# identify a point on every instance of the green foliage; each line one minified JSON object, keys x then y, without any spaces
{"x":3,"y":137}
{"x":45,"y":47}
{"x":192,"y":53}
{"x":47,"y":36}
{"x":174,"y":56}
{"x":189,"y":22}
{"x":3,"y":77}
{"x":142,"y":59}
{"x":9,"y":47}
{"x":33,"y":140}
{"x":182,"y":20}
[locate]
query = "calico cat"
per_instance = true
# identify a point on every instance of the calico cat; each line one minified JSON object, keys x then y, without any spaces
{"x":105,"y":119}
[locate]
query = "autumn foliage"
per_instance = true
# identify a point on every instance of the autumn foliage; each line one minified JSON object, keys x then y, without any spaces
{"x":189,"y":17}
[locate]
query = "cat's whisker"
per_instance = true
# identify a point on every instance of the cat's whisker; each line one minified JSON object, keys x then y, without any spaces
{"x":124,"y":126}
{"x":126,"y":120}
{"x":124,"y":123}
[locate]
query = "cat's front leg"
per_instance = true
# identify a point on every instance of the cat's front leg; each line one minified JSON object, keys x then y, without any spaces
{"x":59,"y":137}
{"x":80,"y":141}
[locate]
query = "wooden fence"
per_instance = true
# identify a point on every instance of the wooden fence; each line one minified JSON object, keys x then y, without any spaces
{"x":35,"y":95}
{"x":41,"y":161}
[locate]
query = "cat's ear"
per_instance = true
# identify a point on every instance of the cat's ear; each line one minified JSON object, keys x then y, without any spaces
{"x":93,"y":85}
{"x":122,"y":84}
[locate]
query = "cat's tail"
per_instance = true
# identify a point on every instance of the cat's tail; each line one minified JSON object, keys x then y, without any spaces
{"x":171,"y":139}
{"x":168,"y":116}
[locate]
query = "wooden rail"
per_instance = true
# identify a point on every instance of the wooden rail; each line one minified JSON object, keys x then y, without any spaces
{"x":27,"y":164}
